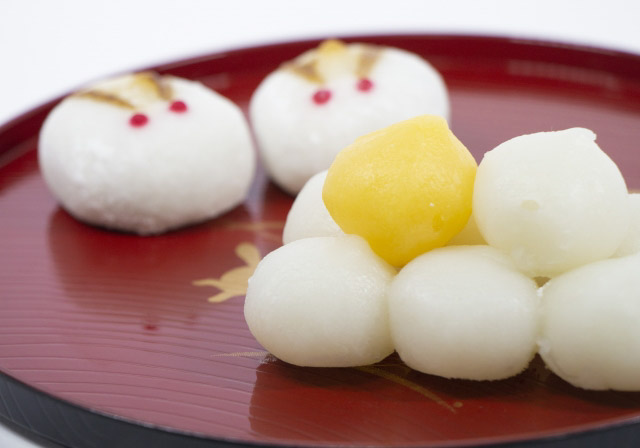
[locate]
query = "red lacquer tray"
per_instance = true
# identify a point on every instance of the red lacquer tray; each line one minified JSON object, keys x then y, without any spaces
{"x":109,"y":339}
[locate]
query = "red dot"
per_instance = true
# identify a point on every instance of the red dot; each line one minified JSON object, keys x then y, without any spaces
{"x":178,"y":106}
{"x":364,"y":85}
{"x":138,"y":120}
{"x":322,"y":96}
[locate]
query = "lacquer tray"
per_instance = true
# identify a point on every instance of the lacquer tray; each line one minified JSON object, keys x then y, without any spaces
{"x":110,"y":339}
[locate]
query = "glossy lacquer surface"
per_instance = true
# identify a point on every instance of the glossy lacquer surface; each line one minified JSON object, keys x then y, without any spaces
{"x":99,"y":327}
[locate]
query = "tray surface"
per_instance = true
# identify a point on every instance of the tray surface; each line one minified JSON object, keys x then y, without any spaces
{"x":123,"y":327}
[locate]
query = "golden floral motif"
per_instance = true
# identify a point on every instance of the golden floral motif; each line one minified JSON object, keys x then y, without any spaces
{"x":234,"y":282}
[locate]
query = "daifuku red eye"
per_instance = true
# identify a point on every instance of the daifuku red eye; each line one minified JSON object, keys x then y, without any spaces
{"x":138,"y":120}
{"x":322,"y":96}
{"x":178,"y":106}
{"x":364,"y":85}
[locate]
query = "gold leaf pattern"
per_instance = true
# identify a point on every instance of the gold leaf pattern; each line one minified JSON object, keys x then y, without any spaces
{"x":104,"y":97}
{"x":397,"y":379}
{"x":305,"y":70}
{"x":376,"y":370}
{"x":234,"y":282}
{"x":266,"y":356}
{"x":130,"y":91}
{"x":256,"y":354}
{"x":332,"y":58}
{"x":367,"y":60}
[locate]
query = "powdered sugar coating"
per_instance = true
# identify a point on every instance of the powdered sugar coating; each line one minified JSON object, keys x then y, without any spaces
{"x":299,"y":138}
{"x":177,"y":168}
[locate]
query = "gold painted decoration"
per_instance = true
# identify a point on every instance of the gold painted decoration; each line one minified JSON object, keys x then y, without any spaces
{"x":333,"y":58}
{"x":105,"y":97}
{"x":367,"y":60}
{"x":133,"y":91}
{"x":234,"y":282}
{"x":400,"y":380}
{"x":381,"y":370}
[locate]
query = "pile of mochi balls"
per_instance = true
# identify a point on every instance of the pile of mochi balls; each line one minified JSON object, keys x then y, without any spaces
{"x":549,"y":263}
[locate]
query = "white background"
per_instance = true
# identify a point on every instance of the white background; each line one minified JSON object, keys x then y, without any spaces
{"x":49,"y":47}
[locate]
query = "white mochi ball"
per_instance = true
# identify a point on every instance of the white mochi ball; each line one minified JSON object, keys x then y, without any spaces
{"x":590,"y":325}
{"x":552,"y":200}
{"x":308,"y":216}
{"x":464,"y":312}
{"x":308,"y":110}
{"x":631,"y":242}
{"x":146,"y":154}
{"x":321,"y":302}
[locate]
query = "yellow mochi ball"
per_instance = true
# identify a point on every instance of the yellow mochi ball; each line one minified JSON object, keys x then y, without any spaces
{"x":406,"y":189}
